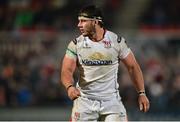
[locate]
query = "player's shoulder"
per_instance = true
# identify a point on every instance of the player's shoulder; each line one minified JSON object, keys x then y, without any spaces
{"x":78,"y":39}
{"x":117,"y":38}
{"x":111,"y":34}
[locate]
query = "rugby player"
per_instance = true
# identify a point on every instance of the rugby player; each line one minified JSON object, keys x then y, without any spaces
{"x":97,"y":53}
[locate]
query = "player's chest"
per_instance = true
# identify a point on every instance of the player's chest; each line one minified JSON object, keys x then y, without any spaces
{"x":97,"y":51}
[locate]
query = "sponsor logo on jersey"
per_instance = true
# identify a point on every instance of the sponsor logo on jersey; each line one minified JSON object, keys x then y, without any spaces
{"x":97,"y":59}
{"x":96,"y":62}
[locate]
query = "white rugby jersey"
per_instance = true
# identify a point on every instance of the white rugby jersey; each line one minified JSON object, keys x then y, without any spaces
{"x":98,"y":64}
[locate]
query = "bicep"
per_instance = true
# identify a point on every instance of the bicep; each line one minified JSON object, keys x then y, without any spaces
{"x":69,"y":64}
{"x":129,"y":61}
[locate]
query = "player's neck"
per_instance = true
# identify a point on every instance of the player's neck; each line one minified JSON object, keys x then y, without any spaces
{"x":98,"y":35}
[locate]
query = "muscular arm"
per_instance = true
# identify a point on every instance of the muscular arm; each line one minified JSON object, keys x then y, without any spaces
{"x":68,"y":68}
{"x":134,"y":72}
{"x":137,"y":78}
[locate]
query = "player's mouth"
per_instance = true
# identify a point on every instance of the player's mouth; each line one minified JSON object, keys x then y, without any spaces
{"x":81,"y":30}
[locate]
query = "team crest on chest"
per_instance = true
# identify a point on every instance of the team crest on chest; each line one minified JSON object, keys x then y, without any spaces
{"x":107,"y":44}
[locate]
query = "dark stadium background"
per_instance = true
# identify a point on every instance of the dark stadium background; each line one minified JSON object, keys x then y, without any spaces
{"x":33,"y":38}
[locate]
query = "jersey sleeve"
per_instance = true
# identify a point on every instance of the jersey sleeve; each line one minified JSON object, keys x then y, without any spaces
{"x":71,"y":50}
{"x":124,"y":50}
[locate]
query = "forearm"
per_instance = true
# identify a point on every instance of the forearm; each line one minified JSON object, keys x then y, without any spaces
{"x":68,"y":81}
{"x":137,"y":77}
{"x":67,"y":78}
{"x":67,"y":71}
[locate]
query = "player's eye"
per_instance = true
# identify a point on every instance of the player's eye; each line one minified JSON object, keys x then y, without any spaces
{"x":83,"y":20}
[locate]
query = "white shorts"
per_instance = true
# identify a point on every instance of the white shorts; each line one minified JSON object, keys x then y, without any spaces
{"x":85,"y":109}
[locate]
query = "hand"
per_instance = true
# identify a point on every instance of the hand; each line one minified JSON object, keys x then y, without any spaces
{"x":73,"y":93}
{"x":143,"y":103}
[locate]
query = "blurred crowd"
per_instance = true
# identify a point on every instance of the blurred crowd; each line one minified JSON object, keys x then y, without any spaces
{"x":161,"y":14}
{"x":29,"y":73}
{"x":48,"y":14}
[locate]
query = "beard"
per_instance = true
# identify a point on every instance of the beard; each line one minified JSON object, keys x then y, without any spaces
{"x":89,"y":31}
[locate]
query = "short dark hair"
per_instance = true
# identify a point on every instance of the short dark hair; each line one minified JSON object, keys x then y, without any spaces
{"x":92,"y":11}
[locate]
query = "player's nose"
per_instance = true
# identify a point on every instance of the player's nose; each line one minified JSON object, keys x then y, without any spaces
{"x":79,"y":24}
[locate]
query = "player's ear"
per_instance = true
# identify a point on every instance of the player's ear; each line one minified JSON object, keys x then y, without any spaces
{"x":96,"y":22}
